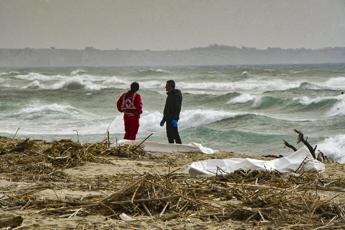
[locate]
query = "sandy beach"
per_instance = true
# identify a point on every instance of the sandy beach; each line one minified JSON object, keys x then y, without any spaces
{"x":93,"y":94}
{"x":66,"y":185}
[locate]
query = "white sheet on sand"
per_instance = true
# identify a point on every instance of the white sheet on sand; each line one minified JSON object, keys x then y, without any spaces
{"x":151,"y":146}
{"x":300,"y":159}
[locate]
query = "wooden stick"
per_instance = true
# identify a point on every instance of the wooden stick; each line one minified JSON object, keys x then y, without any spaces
{"x":143,"y":200}
{"x":57,"y":158}
{"x":147,"y":210}
{"x":305,"y":142}
{"x":14,"y":136}
{"x":301,"y":165}
{"x":135,"y":191}
{"x":165,"y":207}
{"x":108,"y":139}
{"x":74,"y":213}
{"x":142,"y":142}
{"x":253,"y":186}
{"x":120,"y":192}
{"x":290,"y":146}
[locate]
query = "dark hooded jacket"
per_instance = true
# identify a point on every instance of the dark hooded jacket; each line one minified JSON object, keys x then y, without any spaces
{"x":172,"y":106}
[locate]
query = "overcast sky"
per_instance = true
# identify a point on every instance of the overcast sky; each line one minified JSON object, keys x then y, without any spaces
{"x":171,"y":24}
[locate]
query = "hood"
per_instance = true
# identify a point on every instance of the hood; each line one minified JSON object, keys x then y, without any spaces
{"x":175,"y":92}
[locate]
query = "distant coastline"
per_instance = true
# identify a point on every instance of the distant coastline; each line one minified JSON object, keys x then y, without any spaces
{"x":210,"y":55}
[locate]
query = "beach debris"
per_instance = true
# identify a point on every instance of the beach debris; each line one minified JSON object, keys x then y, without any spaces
{"x":297,"y":161}
{"x":151,"y":146}
{"x":320,"y":156}
{"x":142,"y":142}
{"x":250,"y":196}
{"x":302,"y":200}
{"x":151,"y":195}
{"x":127,"y":151}
{"x":10,"y":221}
{"x":66,"y":154}
{"x":125,"y":217}
{"x":9,"y":145}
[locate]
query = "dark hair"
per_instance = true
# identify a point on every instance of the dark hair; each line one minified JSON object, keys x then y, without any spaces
{"x":134,"y":87}
{"x":171,"y":83}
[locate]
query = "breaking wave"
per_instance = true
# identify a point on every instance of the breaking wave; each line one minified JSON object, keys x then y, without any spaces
{"x":246,"y":85}
{"x":47,"y":111}
{"x":77,"y":82}
{"x":153,"y":72}
{"x":78,"y":72}
{"x":334,"y":148}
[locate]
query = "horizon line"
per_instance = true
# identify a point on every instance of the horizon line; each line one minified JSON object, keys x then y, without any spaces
{"x":185,"y":49}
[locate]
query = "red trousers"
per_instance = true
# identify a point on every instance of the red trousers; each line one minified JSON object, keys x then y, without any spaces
{"x":131,"y":126}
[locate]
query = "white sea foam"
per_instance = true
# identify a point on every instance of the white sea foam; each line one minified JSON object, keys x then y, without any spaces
{"x":40,"y":77}
{"x":193,"y":118}
{"x":334,"y":147}
{"x":243,"y":98}
{"x":9,"y":73}
{"x":245,"y":85}
{"x":339,"y":108}
{"x":99,"y":83}
{"x":204,"y":92}
{"x":149,"y":121}
{"x":305,"y":100}
{"x":43,"y":118}
{"x":78,"y":72}
{"x":335,"y":83}
{"x":63,"y":119}
{"x":37,"y":108}
{"x":244,"y":73}
{"x":88,"y":82}
{"x":254,"y":84}
{"x":5,"y":85}
{"x":151,"y":84}
{"x":33,"y":85}
{"x":154,"y":71}
{"x":74,"y":83}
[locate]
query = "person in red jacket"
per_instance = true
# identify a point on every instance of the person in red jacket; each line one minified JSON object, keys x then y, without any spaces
{"x":130,"y":104}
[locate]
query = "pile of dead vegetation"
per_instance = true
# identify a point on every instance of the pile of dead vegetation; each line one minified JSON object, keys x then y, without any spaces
{"x":294,"y":201}
{"x":297,"y":201}
{"x":30,"y":158}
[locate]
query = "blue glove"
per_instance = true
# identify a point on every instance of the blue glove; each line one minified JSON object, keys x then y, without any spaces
{"x":162,"y":122}
{"x":174,"y":123}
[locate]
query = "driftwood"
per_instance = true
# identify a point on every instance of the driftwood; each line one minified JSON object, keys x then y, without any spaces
{"x":306,"y":143}
{"x":290,"y":146}
{"x":8,"y":220}
{"x":316,"y":155}
{"x":142,"y":142}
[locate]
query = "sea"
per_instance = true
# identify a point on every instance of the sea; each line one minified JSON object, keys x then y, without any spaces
{"x":249,"y":109}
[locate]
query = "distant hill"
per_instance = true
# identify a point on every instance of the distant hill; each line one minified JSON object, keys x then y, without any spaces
{"x":211,"y":55}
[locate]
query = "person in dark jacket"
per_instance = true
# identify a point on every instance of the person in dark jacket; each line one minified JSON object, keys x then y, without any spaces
{"x":171,"y":112}
{"x":130,"y":104}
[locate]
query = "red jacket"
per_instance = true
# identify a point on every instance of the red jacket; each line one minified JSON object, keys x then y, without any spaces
{"x":131,"y":106}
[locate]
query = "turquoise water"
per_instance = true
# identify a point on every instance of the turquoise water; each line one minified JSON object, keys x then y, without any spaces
{"x":234,"y":108}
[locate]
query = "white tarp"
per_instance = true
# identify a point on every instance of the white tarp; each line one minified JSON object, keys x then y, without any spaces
{"x":299,"y":159}
{"x":151,"y":146}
